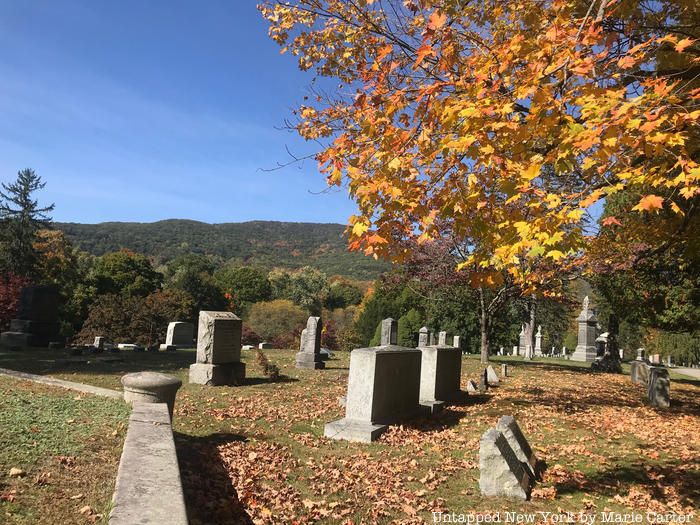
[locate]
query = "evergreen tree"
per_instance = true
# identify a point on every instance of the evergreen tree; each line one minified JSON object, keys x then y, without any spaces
{"x":21,"y":218}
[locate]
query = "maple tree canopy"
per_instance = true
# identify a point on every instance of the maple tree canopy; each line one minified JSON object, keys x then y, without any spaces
{"x":506,"y":120}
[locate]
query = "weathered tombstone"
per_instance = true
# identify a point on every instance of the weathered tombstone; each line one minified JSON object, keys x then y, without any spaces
{"x":99,"y":342}
{"x":442,"y":338}
{"x":669,"y":361}
{"x":423,"y":337}
{"x":151,"y":387}
{"x":431,"y":338}
{"x":500,"y":351}
{"x":587,"y":324}
{"x":659,"y":387}
{"x":472,"y":386}
{"x":491,"y":376}
{"x":515,"y":350}
{"x":501,"y":472}
{"x":517,"y":441}
{"x":639,"y":372}
{"x":179,"y":335}
{"x":309,"y":355}
{"x":389,"y":332}
{"x":655,"y":359}
{"x":641,"y":354}
{"x":264,"y":345}
{"x":457,"y":341}
{"x":621,"y":351}
{"x":37,"y":318}
{"x":504,"y":370}
{"x":440,"y":375}
{"x":538,"y":341}
{"x":522,"y":341}
{"x":383,"y":389}
{"x":218,"y":350}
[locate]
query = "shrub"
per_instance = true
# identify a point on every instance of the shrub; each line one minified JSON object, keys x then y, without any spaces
{"x":289,"y":340}
{"x":272,"y":319}
{"x":249,"y":336}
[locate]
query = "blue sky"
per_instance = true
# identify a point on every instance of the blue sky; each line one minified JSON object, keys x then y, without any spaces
{"x":140,"y":111}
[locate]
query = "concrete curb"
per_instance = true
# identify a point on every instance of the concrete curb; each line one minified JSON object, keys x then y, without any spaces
{"x":148,"y":488}
{"x":47,"y":380}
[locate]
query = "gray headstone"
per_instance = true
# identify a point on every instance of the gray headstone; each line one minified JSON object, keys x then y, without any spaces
{"x":440,"y":374}
{"x":431,"y":338}
{"x":383,"y":388}
{"x":219,"y":338}
{"x":180,"y":334}
{"x":442,"y":338}
{"x":501,"y":472}
{"x":457,"y":341}
{"x":309,"y":355}
{"x":641,"y":354}
{"x":504,"y":370}
{"x":472,"y":386}
{"x":389,"y":332}
{"x":538,"y":341}
{"x":522,"y":341}
{"x":515,"y":350}
{"x":491,"y":376}
{"x":517,"y":441}
{"x":659,"y":387}
{"x":639,"y":372}
{"x":423,"y":337}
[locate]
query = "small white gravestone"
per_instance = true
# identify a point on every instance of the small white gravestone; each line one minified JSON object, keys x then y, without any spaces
{"x":501,"y":472}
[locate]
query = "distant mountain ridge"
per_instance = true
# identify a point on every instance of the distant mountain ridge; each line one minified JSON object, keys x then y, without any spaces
{"x":266,"y":244}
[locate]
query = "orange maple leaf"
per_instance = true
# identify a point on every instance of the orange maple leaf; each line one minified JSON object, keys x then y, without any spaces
{"x":680,"y":46}
{"x":436,"y":20}
{"x":608,"y":221}
{"x":649,"y":203}
{"x":422,"y":52}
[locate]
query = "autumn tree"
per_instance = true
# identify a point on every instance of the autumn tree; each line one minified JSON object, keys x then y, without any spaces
{"x":505,"y":120}
{"x":21,"y":217}
{"x":126,"y":273}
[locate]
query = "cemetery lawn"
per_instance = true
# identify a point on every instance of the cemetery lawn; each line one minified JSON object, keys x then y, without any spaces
{"x":67,"y":446}
{"x":257,"y":453}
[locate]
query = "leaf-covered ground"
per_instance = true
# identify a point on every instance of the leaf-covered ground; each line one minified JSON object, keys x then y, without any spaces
{"x":605,"y":449}
{"x":59,"y":452}
{"x":255,"y":454}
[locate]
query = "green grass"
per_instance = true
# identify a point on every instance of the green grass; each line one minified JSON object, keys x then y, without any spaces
{"x":257,"y":450}
{"x":68,"y":446}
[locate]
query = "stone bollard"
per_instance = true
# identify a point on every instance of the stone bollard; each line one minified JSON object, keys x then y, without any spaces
{"x":151,"y":387}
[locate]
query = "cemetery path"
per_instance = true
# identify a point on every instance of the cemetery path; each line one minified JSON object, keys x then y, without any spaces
{"x":46,"y":380}
{"x":690,"y":372}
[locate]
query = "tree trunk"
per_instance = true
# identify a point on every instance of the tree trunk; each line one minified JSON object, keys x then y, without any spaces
{"x":484,"y":327}
{"x":530,"y":324}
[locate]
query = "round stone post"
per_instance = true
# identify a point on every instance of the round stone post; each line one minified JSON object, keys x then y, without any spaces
{"x":151,"y":387}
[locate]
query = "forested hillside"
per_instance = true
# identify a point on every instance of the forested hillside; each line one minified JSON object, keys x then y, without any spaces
{"x":259,"y":243}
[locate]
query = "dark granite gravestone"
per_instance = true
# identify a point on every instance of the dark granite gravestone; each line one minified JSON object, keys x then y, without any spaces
{"x":37,"y":317}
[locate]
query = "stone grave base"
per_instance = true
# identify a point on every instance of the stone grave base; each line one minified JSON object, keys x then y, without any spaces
{"x":433,"y":406}
{"x":310,"y":361}
{"x":639,"y":371}
{"x":217,"y":375}
{"x":351,"y":430}
{"x":14,"y":339}
{"x":584,"y":353}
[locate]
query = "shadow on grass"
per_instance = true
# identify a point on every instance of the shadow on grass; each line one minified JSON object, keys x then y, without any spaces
{"x":209,"y":494}
{"x":656,"y":479}
{"x":42,"y":361}
{"x":268,"y":380}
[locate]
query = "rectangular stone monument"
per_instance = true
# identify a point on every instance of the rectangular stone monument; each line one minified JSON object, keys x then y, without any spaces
{"x":515,"y":350}
{"x":501,"y":473}
{"x":218,"y":350}
{"x":522,"y":341}
{"x":99,"y":342}
{"x":440,"y":375}
{"x":309,"y":355}
{"x":389,"y":332}
{"x":457,"y":341}
{"x":442,"y":338}
{"x":179,"y":335}
{"x":491,"y":376}
{"x":655,"y":359}
{"x":639,"y":372}
{"x":264,"y":346}
{"x":431,"y":338}
{"x":641,"y":354}
{"x":517,"y":441}
{"x":538,"y":342}
{"x":587,"y":326}
{"x":383,"y":389}
{"x":423,"y":337}
{"x":659,"y":387}
{"x":37,"y":318}
{"x":504,"y":370}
